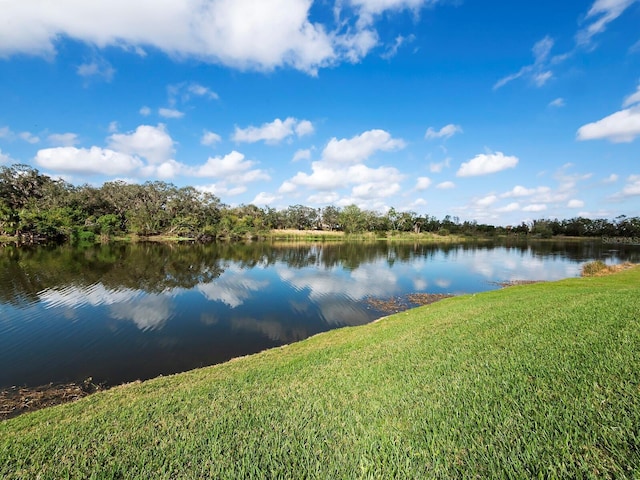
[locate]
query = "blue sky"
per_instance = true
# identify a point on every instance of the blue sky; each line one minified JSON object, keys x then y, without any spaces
{"x":495,"y":111}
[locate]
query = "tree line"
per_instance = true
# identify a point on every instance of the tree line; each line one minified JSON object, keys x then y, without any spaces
{"x":34,"y":206}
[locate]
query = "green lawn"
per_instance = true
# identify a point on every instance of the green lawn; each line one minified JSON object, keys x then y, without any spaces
{"x":535,"y":381}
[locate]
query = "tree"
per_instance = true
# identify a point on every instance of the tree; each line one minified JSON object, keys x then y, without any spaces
{"x":352,"y":219}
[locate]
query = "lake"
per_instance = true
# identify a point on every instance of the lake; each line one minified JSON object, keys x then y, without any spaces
{"x":122,"y":312}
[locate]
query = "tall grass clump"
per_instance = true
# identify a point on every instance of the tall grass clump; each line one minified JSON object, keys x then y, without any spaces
{"x":533,"y":381}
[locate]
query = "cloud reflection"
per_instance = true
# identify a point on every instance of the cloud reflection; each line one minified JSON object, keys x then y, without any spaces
{"x":233,"y":288}
{"x":148,"y":313}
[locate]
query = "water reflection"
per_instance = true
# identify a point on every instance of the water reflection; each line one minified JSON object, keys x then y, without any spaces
{"x":123,"y":312}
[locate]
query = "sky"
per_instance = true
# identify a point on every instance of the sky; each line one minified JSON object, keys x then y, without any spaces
{"x":495,"y":111}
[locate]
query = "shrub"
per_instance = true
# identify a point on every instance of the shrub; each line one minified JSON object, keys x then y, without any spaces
{"x":593,"y":268}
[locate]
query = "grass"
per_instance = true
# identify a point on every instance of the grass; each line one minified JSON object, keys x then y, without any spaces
{"x":598,"y":268}
{"x":534,"y":381}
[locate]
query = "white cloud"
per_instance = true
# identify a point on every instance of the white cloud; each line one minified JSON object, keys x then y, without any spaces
{"x":151,"y":143}
{"x":88,"y":161}
{"x":97,"y":68}
{"x":632,"y":99}
{"x":302,"y":155}
{"x":5,"y":132}
{"x":446,"y":185}
{"x":342,"y":166}
{"x":241,"y":33}
{"x":29,"y":137}
{"x":619,"y":127}
{"x":368,"y":9}
{"x":512,"y":207}
{"x":210,"y":138}
{"x":541,"y":78}
{"x":438,"y":167}
{"x":538,"y":72}
{"x":574,"y":203}
{"x":145,"y":111}
{"x":273,"y":132}
{"x":264,"y":198}
{"x":304,"y":127}
{"x":520,"y":191}
{"x":287,"y":187}
{"x":486,"y":201}
{"x":149,"y":312}
{"x":604,"y":11}
{"x":5,"y":159}
{"x":63,"y":139}
{"x":423,"y":183}
{"x":397,"y":43}
{"x":113,"y":127}
{"x":484,"y":164}
{"x":558,"y":102}
{"x":170,"y":113}
{"x":613,"y":178}
{"x":201,"y":91}
{"x":360,"y":147}
{"x":632,"y":188}
{"x":445,"y":132}
{"x":535,"y":207}
{"x":233,"y":168}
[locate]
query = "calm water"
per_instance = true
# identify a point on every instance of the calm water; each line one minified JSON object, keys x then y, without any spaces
{"x":119,"y":313}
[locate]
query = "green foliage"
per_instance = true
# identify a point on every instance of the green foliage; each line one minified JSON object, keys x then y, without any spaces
{"x":35,"y":206}
{"x":537,"y":381}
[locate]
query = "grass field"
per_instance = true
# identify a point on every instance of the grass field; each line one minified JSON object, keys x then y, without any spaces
{"x":534,"y":381}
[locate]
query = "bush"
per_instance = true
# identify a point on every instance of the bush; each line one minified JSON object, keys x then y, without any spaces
{"x":593,"y":268}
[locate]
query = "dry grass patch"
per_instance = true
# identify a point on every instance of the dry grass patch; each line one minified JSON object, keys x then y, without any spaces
{"x":600,"y":269}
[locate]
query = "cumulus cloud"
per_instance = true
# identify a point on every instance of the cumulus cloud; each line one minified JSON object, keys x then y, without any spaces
{"x":210,"y":138}
{"x":145,"y":111}
{"x":445,"y":132}
{"x":152,"y":143}
{"x":360,"y":147}
{"x":243,"y":34}
{"x":486,"y":201}
{"x":423,"y":183}
{"x":620,"y":127}
{"x":486,"y":163}
{"x":302,"y":154}
{"x":63,"y":139}
{"x":29,"y":137}
{"x":233,"y":168}
{"x":575,"y":203}
{"x":439,"y":166}
{"x":94,"y":160}
{"x":170,"y":113}
{"x":264,"y":198}
{"x":535,"y":207}
{"x":343,"y":166}
{"x":446,"y":185}
{"x":632,"y":188}
{"x":512,"y":207}
{"x":5,"y":158}
{"x":273,"y":132}
{"x":520,"y":191}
